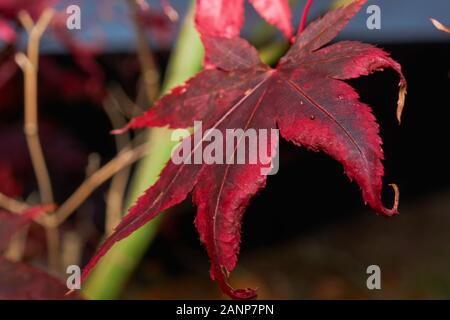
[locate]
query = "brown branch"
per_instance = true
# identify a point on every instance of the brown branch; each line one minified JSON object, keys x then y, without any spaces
{"x":31,"y":128}
{"x":127,"y":157}
{"x":94,"y":163}
{"x":117,"y":189}
{"x":18,"y":207}
{"x":128,"y":108}
{"x":150,"y":73}
{"x":17,"y":244}
{"x":72,"y":248}
{"x":29,"y":64}
{"x":124,"y":159}
{"x":12,"y":205}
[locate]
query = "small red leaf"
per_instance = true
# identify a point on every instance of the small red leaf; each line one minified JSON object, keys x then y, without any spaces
{"x":224,"y":18}
{"x":221,"y":18}
{"x":276,"y":12}
{"x":305,"y":97}
{"x":19,"y":281}
{"x":11,"y":223}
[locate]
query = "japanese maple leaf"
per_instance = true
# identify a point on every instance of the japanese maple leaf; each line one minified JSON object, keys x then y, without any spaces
{"x":304,"y":96}
{"x":224,"y":18}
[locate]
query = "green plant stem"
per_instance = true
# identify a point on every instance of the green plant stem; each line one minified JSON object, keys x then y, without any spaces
{"x":271,"y":53}
{"x":113,"y":271}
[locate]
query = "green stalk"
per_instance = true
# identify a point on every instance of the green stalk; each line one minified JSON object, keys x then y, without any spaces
{"x":113,"y":271}
{"x":271,"y":53}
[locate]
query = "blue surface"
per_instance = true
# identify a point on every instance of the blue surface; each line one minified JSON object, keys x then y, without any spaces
{"x":402,"y":21}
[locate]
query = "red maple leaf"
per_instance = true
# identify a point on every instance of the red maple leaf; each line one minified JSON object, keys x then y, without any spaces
{"x":304,"y":96}
{"x":224,"y":18}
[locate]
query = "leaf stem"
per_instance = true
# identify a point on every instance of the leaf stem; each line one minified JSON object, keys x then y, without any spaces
{"x":302,"y":25}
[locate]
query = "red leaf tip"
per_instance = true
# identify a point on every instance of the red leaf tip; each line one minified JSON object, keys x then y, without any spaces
{"x":36,"y":211}
{"x":401,"y":99}
{"x":394,"y":210}
{"x":121,"y":130}
{"x":243,"y":294}
{"x":221,"y":276}
{"x":440,"y":26}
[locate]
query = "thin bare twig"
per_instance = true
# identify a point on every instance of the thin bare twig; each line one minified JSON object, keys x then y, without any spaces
{"x":17,"y":245}
{"x":12,"y":205}
{"x":72,"y":244}
{"x":150,"y":73}
{"x":128,"y":155}
{"x":29,"y":64}
{"x":128,"y":108}
{"x":126,"y":158}
{"x":94,"y":163}
{"x":116,"y":192}
{"x":149,"y":89}
{"x":18,"y":207}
